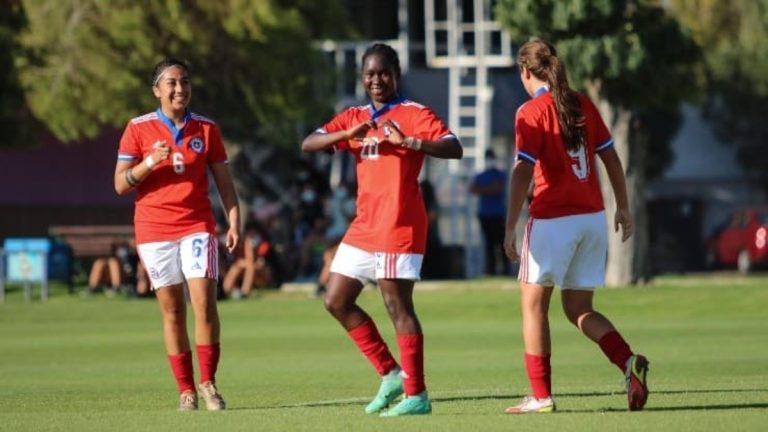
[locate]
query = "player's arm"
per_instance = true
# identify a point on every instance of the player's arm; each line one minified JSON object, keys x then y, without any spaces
{"x":613,"y":167}
{"x":318,"y":141}
{"x":518,"y":187}
{"x":226,"y":188}
{"x":128,"y":173}
{"x":447,"y":147}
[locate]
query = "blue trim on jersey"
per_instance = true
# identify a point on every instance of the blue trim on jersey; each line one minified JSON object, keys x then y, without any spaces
{"x":380,"y":112}
{"x":178,"y":134}
{"x":540,"y":91}
{"x":125,"y":157}
{"x":526,"y":157}
{"x":604,"y":145}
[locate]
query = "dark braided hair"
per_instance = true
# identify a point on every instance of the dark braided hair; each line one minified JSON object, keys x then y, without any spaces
{"x":165,"y":64}
{"x":387,"y":53}
{"x":540,"y":58}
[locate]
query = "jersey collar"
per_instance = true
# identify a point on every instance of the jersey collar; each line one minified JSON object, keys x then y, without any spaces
{"x":177,"y":133}
{"x":540,"y":91}
{"x":380,"y":112}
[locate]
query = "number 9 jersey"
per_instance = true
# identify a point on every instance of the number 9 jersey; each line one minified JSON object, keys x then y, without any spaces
{"x":172,"y":201}
{"x":565,"y":182}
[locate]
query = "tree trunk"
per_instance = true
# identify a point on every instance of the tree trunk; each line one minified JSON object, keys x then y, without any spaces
{"x":627,"y":262}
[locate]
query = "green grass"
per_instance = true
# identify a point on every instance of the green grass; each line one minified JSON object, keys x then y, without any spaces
{"x":98,"y":364}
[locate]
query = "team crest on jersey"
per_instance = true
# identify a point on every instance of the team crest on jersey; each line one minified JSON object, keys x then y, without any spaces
{"x":197,"y":145}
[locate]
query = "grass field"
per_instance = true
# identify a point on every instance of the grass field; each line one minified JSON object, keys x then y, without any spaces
{"x":98,"y":363}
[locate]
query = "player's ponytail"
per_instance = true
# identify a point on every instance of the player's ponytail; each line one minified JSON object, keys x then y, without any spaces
{"x":540,"y":58}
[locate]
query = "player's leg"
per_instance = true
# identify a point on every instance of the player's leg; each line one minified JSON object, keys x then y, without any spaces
{"x":164,"y":270}
{"x":544,"y":257}
{"x":534,"y":304}
{"x":349,"y":267}
{"x":396,"y":274}
{"x":199,"y":262}
{"x":173,"y":308}
{"x":587,"y":270}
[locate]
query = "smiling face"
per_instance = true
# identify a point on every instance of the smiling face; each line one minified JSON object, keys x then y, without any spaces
{"x":379,"y":79}
{"x":174,"y":90}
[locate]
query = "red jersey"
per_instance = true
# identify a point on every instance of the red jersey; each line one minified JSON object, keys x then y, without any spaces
{"x":172,"y":201}
{"x":390,"y":209}
{"x":565,"y":183}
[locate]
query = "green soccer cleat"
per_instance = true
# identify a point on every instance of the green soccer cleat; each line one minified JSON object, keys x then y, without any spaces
{"x":391,"y":388}
{"x":411,"y":405}
{"x":637,"y":387}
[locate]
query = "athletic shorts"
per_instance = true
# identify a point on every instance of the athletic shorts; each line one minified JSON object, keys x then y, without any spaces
{"x":370,"y":266}
{"x":171,"y":262}
{"x":569,"y":251}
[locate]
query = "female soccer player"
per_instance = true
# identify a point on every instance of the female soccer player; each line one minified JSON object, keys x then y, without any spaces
{"x":557,"y":134}
{"x":165,"y":156}
{"x":385,"y":242}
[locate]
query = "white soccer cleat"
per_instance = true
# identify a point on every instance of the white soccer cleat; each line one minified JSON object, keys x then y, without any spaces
{"x":531,"y":405}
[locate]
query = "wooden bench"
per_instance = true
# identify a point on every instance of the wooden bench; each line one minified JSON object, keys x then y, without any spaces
{"x":89,"y":241}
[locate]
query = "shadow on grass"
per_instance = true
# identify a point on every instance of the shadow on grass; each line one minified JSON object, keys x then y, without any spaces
{"x":512,"y":397}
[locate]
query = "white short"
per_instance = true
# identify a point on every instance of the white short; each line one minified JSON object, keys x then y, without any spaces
{"x":369,"y":266}
{"x":171,"y":262}
{"x":569,"y":251}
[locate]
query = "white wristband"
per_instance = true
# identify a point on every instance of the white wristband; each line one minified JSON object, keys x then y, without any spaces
{"x":412,"y":143}
{"x":150,"y":162}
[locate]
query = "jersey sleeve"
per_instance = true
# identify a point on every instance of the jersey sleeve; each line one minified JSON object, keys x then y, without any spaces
{"x":528,"y":138}
{"x":428,"y":126}
{"x":216,"y":153}
{"x":338,"y":123}
{"x":597,"y":132}
{"x":130,"y":146}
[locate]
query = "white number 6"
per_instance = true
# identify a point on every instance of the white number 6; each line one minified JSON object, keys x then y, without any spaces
{"x":178,"y":163}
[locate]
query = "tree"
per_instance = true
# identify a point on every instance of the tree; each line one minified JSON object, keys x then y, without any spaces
{"x":253,"y":66}
{"x":733,"y":36}
{"x":15,"y":119}
{"x":634,"y":61}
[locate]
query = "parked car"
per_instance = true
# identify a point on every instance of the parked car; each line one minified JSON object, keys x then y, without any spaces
{"x":742,"y":241}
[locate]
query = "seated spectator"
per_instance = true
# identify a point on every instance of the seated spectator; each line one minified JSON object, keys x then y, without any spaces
{"x":121,"y":271}
{"x":251,"y":269}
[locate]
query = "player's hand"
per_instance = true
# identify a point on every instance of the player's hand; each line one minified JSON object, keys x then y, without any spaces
{"x":160,"y":151}
{"x":393,"y":133}
{"x":233,"y":240}
{"x":510,"y":245}
{"x":359,"y":131}
{"x":623,"y":217}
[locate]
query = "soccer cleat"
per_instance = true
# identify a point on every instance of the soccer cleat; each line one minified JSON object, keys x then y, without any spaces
{"x":187,"y":401}
{"x":531,"y":405}
{"x":391,"y":388}
{"x":211,"y":396}
{"x":637,"y":389}
{"x":411,"y":405}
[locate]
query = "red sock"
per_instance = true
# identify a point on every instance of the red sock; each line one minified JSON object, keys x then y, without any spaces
{"x":539,"y":374}
{"x":208,"y":359}
{"x":412,"y":361}
{"x":370,"y":343}
{"x":616,"y":349}
{"x":181,"y":365}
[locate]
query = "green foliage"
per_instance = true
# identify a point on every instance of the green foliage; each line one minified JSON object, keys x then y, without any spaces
{"x":14,"y":117}
{"x":253,"y":66}
{"x":733,"y":36}
{"x":636,"y":54}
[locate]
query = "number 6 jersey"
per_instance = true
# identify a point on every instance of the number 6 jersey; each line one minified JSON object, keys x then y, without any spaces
{"x":172,"y":201}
